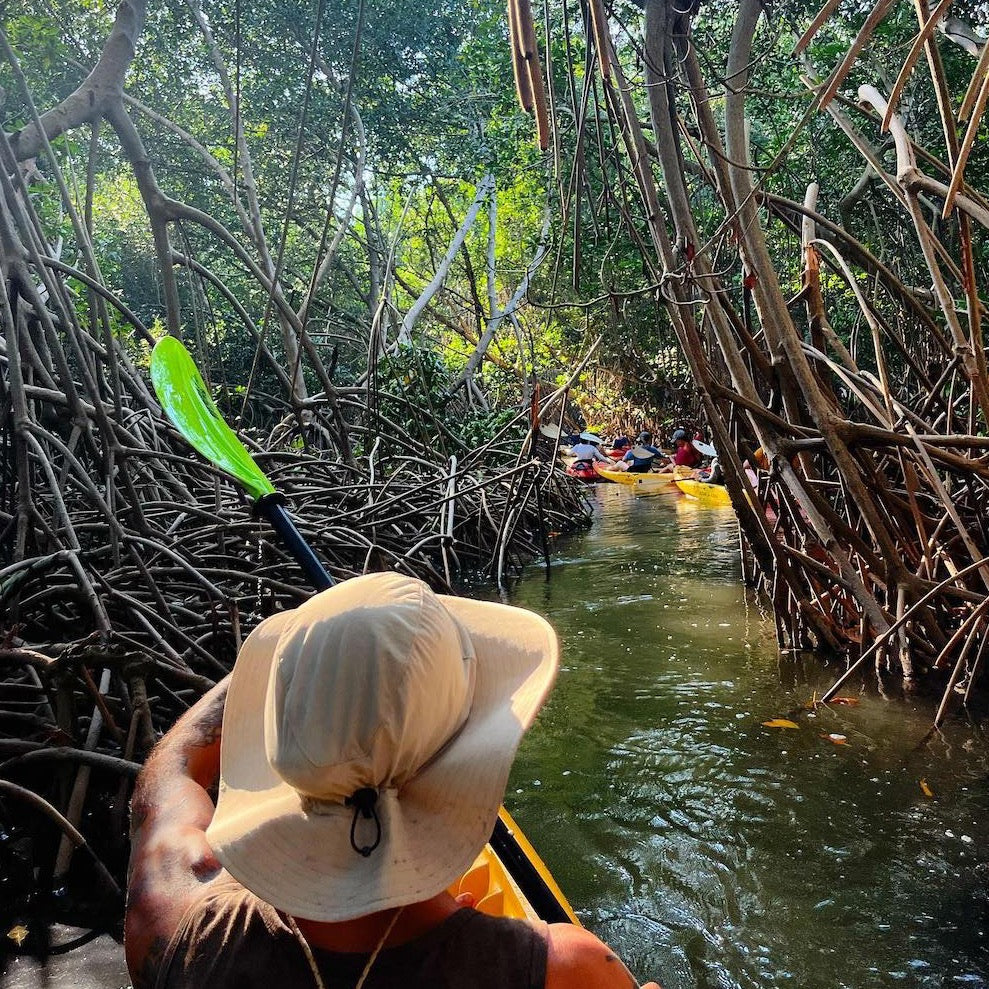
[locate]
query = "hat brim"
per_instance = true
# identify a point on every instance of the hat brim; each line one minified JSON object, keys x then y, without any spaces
{"x":431,"y":830}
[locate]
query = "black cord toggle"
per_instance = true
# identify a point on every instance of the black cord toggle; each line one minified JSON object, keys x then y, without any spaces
{"x":364,"y":801}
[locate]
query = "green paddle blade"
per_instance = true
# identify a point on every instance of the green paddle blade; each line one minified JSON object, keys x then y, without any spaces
{"x":183,"y":395}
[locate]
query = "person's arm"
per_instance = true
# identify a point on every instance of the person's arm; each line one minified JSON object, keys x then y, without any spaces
{"x":578,"y":958}
{"x":598,"y":455}
{"x":171,"y":808}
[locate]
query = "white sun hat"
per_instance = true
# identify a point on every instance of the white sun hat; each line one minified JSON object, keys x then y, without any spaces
{"x":589,"y":437}
{"x":367,"y":741}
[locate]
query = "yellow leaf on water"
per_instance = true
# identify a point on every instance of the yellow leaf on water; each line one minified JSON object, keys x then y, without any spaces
{"x":926,"y":790}
{"x":835,"y":738}
{"x":18,"y":933}
{"x":780,"y":723}
{"x":847,"y":701}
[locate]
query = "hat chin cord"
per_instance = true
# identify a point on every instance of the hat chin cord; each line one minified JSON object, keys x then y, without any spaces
{"x":364,"y":801}
{"x":314,"y":968}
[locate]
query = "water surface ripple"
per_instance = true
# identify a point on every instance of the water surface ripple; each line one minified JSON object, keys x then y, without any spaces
{"x":715,"y":852}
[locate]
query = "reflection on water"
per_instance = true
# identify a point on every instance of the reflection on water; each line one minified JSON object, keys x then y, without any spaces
{"x":714,"y":852}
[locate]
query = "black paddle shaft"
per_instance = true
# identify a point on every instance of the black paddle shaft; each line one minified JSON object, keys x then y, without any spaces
{"x":272,"y":508}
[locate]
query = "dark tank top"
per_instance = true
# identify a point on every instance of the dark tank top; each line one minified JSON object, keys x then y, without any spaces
{"x":230,"y":938}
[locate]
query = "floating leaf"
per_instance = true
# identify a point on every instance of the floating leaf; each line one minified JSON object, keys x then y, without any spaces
{"x":836,"y":739}
{"x":18,"y":933}
{"x":780,"y":723}
{"x":847,"y":701}
{"x":926,"y":790}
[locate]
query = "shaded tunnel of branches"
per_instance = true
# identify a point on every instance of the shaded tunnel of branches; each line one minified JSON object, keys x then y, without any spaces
{"x":845,"y":388}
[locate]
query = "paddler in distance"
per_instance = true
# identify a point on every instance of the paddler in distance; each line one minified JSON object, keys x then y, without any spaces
{"x":360,"y":748}
{"x":684,"y":452}
{"x":642,"y":456}
{"x":588,"y":449}
{"x":620,"y":446}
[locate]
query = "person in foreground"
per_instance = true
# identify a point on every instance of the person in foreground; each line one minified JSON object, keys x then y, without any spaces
{"x":366,"y":742}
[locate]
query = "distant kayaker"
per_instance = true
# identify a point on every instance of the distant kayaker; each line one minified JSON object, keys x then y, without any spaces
{"x":366,"y":740}
{"x":642,"y":456}
{"x":684,"y":452}
{"x":589,"y":449}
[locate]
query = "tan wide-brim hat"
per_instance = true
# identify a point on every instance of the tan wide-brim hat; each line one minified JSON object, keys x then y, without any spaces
{"x":299,"y":853}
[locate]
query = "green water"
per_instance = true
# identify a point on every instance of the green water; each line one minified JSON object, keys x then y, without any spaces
{"x":714,"y":852}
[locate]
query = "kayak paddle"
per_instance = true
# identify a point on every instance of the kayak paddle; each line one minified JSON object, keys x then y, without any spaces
{"x":187,"y":403}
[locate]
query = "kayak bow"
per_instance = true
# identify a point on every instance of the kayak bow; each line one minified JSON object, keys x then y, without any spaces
{"x":712,"y":495}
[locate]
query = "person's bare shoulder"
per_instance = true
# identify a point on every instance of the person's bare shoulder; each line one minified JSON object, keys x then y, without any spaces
{"x":170,"y":868}
{"x":579,"y":960}
{"x":171,"y":862}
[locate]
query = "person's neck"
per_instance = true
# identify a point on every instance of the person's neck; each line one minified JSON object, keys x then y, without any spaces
{"x":363,"y":934}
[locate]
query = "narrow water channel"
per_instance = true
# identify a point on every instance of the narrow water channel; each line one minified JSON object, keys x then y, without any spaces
{"x":713,"y":851}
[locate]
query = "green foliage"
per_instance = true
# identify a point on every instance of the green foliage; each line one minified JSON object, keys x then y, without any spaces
{"x":434,"y":91}
{"x":433,"y":88}
{"x":480,"y":427}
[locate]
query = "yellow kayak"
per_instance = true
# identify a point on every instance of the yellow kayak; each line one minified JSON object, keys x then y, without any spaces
{"x":494,"y":890}
{"x":713,"y":495}
{"x":641,"y":482}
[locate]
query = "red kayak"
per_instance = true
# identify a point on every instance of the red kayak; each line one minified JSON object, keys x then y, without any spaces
{"x":583,"y":470}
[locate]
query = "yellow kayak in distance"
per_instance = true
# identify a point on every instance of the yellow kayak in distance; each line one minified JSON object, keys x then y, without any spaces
{"x":652,"y":481}
{"x":712,"y":495}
